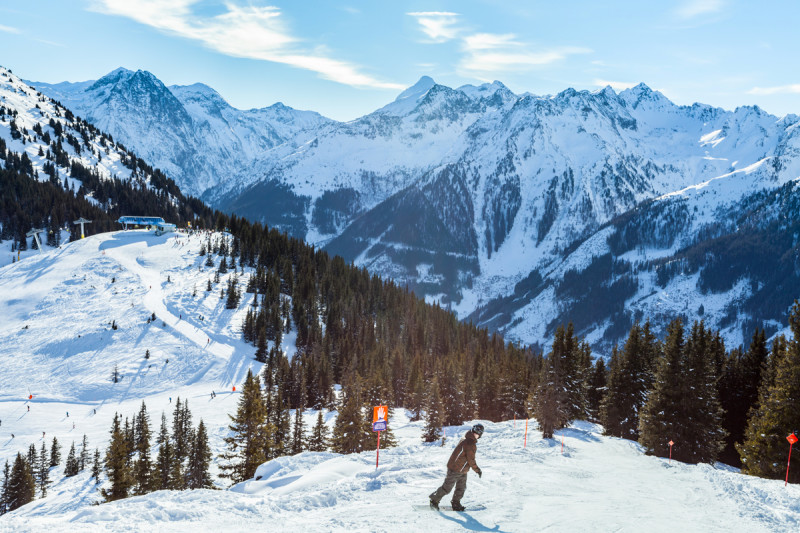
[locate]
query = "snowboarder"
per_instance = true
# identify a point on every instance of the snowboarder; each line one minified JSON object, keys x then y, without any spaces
{"x":461,"y":460}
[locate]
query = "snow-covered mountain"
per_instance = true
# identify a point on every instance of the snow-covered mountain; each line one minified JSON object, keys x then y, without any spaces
{"x":487,"y":201}
{"x":50,"y":142}
{"x":57,"y":344}
{"x":189,"y":132}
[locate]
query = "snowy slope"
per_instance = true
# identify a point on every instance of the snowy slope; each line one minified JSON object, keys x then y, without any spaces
{"x":57,"y":344}
{"x":603,"y":483}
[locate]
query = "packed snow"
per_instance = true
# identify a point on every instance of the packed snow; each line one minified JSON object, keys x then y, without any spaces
{"x":57,"y":344}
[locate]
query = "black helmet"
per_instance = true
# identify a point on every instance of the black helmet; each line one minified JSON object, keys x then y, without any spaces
{"x":478,"y":429}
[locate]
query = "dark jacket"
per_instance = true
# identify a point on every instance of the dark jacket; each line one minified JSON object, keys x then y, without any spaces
{"x":463,"y":457}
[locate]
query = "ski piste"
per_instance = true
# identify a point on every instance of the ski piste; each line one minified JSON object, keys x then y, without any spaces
{"x":468,"y":508}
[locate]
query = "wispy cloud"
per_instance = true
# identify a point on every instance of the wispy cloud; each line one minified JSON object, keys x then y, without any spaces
{"x":616,"y":85}
{"x":781,"y":89}
{"x":9,"y":29}
{"x":439,"y":26}
{"x":251,"y":32}
{"x":694,"y":8}
{"x":488,"y":53}
{"x":51,"y":43}
{"x":485,"y":54}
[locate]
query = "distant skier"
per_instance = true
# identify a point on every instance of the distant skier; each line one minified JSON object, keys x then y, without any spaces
{"x":461,"y":460}
{"x":29,"y":408}
{"x":67,"y":414}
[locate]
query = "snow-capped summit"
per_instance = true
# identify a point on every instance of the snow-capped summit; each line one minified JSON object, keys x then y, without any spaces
{"x":190,"y":132}
{"x":408,"y":100}
{"x":418,"y":90}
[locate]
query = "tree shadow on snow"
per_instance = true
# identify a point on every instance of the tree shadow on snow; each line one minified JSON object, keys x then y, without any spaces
{"x":470,"y":523}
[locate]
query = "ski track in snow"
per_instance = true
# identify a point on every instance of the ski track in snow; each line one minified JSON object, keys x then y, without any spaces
{"x":604,"y":483}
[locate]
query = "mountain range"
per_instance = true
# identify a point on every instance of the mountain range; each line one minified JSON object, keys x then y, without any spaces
{"x":519,"y":212}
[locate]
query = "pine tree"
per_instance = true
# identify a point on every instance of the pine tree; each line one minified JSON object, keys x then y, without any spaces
{"x":43,"y":478}
{"x":84,"y":455}
{"x":319,"y":435}
{"x":630,"y":380}
{"x":738,"y":391}
{"x":182,"y":437}
{"x":298,"y":432}
{"x":96,"y":466}
{"x":251,"y":435}
{"x":117,"y":466}
{"x":33,"y":461}
{"x":610,"y":404}
{"x":142,"y":466}
{"x":659,"y":422}
{"x":164,"y":460}
{"x":434,"y":414}
{"x":553,"y":404}
{"x":596,"y":389}
{"x":280,"y":423}
{"x":683,"y":406}
{"x":21,"y":486}
{"x":350,"y":434}
{"x":199,"y":460}
{"x":776,"y":415}
{"x":71,"y":467}
{"x":4,"y":493}
{"x":417,"y":390}
{"x":55,"y":453}
{"x":704,"y":437}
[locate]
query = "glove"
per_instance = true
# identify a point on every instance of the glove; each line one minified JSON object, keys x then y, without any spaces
{"x":480,"y":473}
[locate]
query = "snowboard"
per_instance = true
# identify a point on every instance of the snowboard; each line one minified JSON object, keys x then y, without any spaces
{"x":449,"y":508}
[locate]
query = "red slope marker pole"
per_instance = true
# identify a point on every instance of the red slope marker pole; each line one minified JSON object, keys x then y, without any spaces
{"x":562,"y":444}
{"x":378,"y":451}
{"x":792,"y":439}
{"x":670,"y":451}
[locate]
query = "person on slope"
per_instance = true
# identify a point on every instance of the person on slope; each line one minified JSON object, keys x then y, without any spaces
{"x":461,"y":460}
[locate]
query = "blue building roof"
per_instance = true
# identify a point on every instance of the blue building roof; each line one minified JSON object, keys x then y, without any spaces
{"x":141,"y":221}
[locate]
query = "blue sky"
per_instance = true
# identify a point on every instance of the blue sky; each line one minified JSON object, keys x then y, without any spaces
{"x":347,"y":58}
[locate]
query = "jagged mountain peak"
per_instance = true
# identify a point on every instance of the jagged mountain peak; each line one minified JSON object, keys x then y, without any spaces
{"x":122,"y":75}
{"x":417,"y":90}
{"x":641,"y":94}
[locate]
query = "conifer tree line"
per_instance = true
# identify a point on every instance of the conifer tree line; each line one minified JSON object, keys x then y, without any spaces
{"x":352,"y":327}
{"x":182,"y":459}
{"x":737,"y":406}
{"x":30,"y":474}
{"x":262,"y":427}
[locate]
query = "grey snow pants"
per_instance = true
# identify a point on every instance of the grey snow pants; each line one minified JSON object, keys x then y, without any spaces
{"x":452,"y":478}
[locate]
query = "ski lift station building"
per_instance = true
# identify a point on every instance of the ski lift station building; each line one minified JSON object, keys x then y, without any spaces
{"x":157,"y":222}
